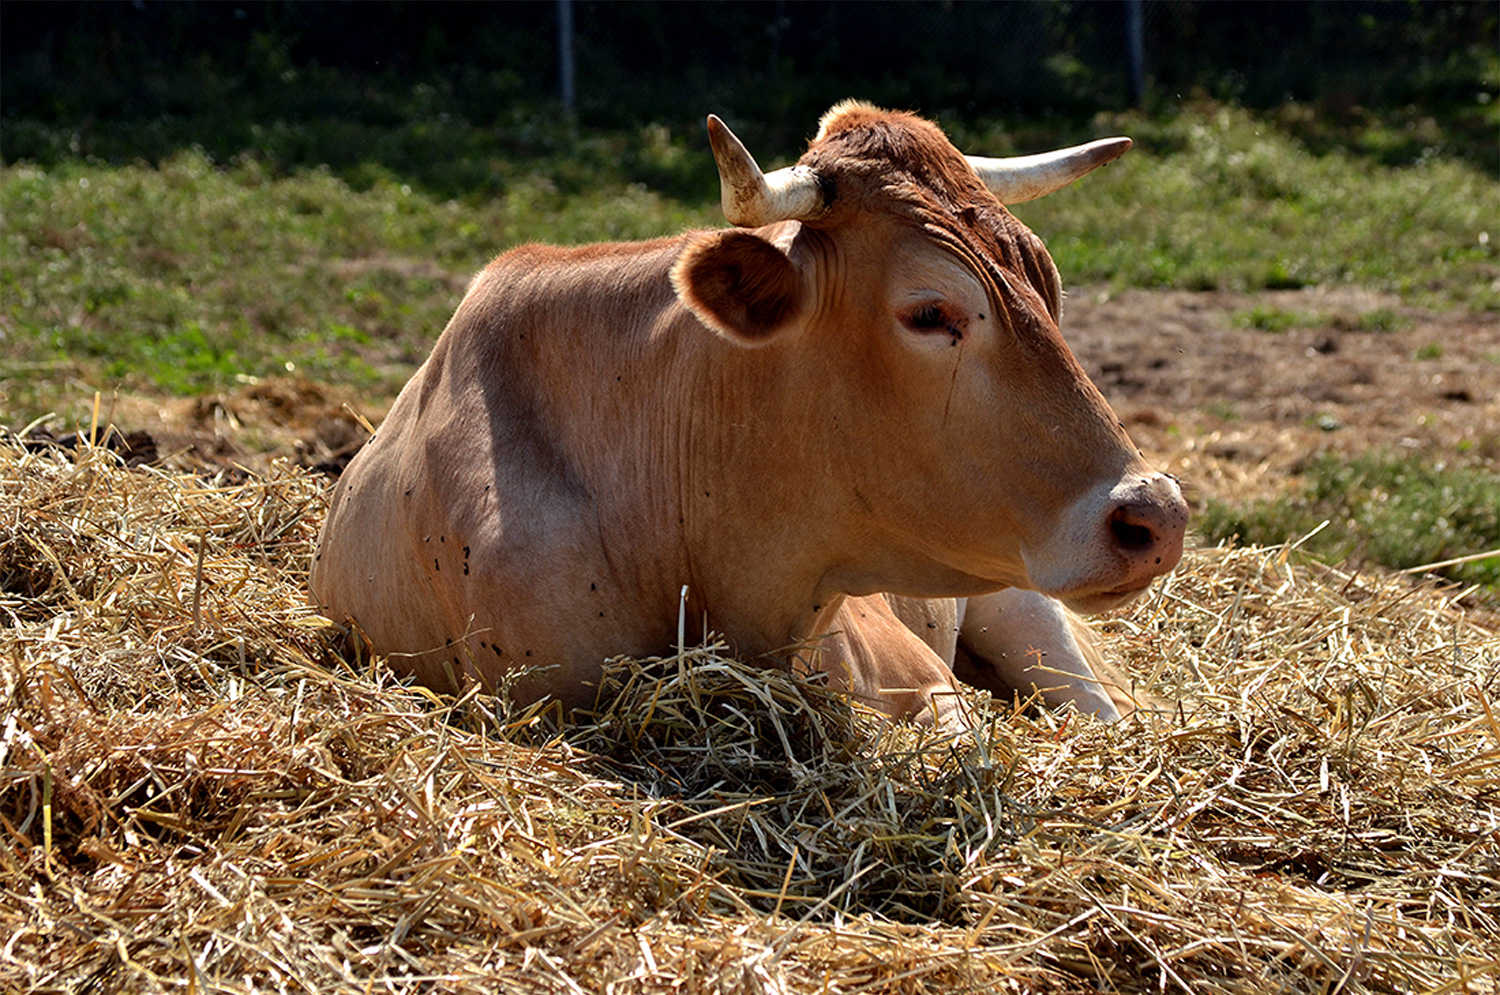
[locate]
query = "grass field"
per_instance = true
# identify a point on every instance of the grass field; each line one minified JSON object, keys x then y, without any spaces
{"x":1382,"y":507}
{"x":186,"y":277}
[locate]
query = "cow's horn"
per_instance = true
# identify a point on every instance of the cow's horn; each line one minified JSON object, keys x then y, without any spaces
{"x":752,"y":198}
{"x":1027,"y":177}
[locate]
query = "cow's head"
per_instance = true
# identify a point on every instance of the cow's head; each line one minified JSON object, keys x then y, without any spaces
{"x":921,"y":317}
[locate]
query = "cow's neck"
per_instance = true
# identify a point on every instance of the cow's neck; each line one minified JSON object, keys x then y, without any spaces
{"x":719,"y":501}
{"x":689,"y":448}
{"x":753,"y":511}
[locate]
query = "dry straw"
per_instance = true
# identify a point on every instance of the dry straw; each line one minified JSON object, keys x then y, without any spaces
{"x":202,"y":793}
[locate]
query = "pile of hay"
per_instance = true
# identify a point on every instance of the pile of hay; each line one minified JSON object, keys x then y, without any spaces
{"x":199,"y":791}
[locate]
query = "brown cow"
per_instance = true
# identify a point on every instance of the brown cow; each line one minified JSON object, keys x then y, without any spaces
{"x":865,"y":391}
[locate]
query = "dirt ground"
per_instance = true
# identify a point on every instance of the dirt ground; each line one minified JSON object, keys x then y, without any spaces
{"x":1231,"y":410}
{"x":1234,"y":411}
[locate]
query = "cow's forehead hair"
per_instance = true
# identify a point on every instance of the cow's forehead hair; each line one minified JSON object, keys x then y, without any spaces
{"x":901,"y":165}
{"x":892,"y":150}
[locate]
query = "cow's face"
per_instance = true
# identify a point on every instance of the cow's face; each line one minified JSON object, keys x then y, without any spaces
{"x":917,"y":319}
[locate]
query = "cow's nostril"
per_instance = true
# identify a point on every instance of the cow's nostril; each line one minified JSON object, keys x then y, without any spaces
{"x":1128,"y":536}
{"x":1145,"y":527}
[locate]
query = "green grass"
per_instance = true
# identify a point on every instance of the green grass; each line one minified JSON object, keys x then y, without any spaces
{"x":1381,"y":319}
{"x":1385,"y":508}
{"x":1274,"y":319}
{"x":1269,"y":318}
{"x":1220,"y":199}
{"x":186,"y":277}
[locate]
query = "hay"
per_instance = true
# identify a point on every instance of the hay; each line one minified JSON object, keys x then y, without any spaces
{"x":200,"y":791}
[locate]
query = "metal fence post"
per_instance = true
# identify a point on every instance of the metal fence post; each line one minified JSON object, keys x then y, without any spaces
{"x":1137,"y":52}
{"x":569,"y":93}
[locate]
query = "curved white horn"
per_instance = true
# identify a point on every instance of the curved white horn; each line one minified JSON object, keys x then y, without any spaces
{"x":1026,"y":177}
{"x":751,"y":198}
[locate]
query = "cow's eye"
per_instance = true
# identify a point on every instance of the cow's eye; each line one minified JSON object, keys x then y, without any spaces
{"x":927,"y":318}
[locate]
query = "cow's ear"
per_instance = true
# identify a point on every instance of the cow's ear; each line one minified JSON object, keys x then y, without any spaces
{"x":740,"y":285}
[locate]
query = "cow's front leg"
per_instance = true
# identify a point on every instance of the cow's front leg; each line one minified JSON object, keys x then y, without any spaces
{"x":875,"y":656}
{"x":1013,"y":640}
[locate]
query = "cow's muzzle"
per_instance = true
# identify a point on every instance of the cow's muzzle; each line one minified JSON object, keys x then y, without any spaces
{"x":1114,"y":543}
{"x":1146,"y":526}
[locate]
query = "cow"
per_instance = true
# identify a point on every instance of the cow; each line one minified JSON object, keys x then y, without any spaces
{"x":821,"y":427}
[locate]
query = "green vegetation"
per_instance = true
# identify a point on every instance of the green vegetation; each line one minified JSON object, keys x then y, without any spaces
{"x":1269,"y":318}
{"x":1388,"y":508}
{"x":1382,"y":319}
{"x":183,"y":278}
{"x":1273,"y":319}
{"x":1219,"y":199}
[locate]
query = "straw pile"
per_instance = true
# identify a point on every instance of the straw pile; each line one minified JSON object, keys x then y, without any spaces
{"x":201,"y":790}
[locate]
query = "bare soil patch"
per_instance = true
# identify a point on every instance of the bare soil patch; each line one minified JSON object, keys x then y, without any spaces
{"x":1234,"y":411}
